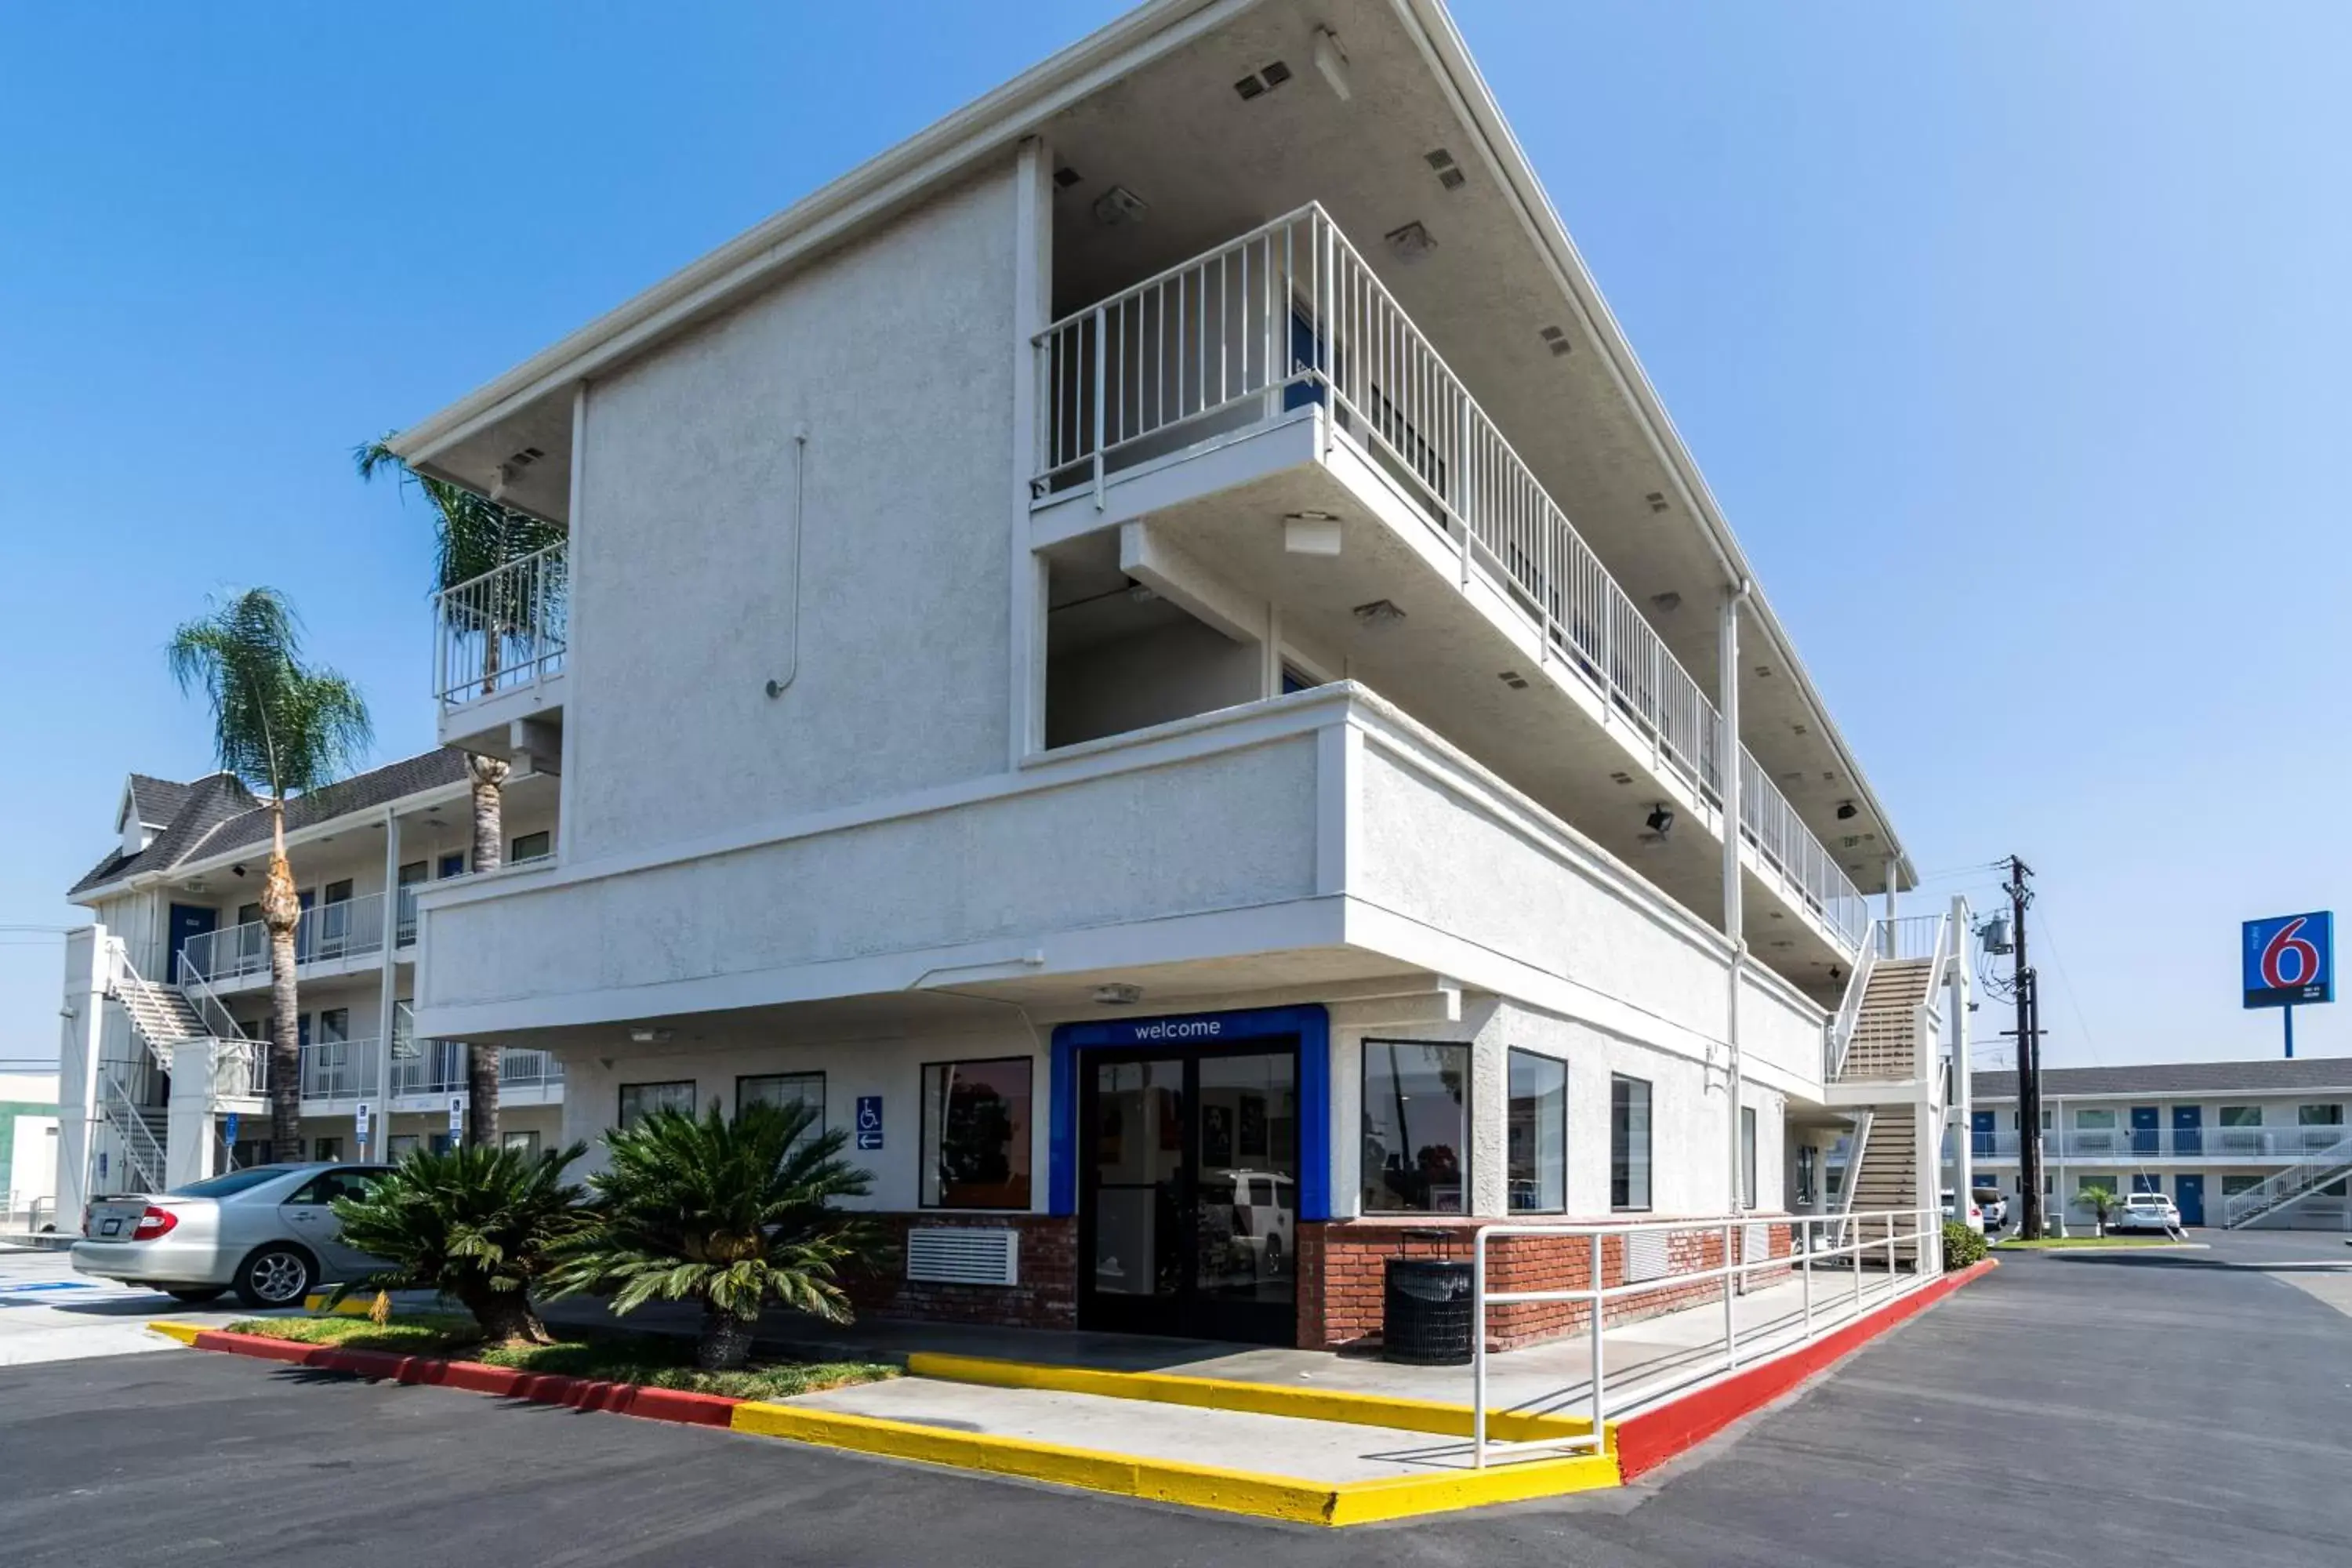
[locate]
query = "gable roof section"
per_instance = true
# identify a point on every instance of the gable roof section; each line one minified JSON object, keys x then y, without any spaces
{"x":155,"y":801}
{"x":2270,"y":1076}
{"x":218,"y":815}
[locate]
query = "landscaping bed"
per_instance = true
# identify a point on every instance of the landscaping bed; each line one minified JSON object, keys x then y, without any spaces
{"x":645,"y":1361}
{"x":2062,"y":1243}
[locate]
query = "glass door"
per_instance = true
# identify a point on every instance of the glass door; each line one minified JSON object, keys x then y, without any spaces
{"x":1133,"y":1207}
{"x":1244,"y":1260}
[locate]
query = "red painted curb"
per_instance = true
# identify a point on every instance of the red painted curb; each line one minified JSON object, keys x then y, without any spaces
{"x":1648,"y":1440}
{"x":537,"y":1387}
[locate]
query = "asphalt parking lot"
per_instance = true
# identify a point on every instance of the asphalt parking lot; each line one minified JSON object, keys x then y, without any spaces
{"x":2094,"y":1410}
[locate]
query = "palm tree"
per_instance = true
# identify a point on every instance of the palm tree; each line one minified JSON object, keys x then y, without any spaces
{"x":477,"y":1225}
{"x":472,"y":536}
{"x":2102,"y":1201}
{"x":732,"y":1215}
{"x":282,"y":729}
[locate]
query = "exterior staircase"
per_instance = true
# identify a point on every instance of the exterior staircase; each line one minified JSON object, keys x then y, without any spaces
{"x":2320,"y":1168}
{"x":1884,"y":1035}
{"x":160,"y":1014}
{"x":1882,"y":1045}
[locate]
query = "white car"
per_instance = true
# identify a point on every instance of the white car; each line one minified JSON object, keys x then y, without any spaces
{"x":2145,"y":1211}
{"x":1995,"y":1207}
{"x":1974,"y":1215}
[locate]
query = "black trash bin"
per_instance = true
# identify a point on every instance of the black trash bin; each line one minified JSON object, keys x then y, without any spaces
{"x":1425,"y":1312}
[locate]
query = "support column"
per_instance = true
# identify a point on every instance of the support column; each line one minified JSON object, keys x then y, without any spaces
{"x":388,"y":993}
{"x":1728,"y":755}
{"x":82,"y":1014}
{"x":1032,"y":307}
{"x":1963,"y":1091}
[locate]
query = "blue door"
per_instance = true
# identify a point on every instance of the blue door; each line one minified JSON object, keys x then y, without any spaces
{"x":2144,"y":1134}
{"x":1980,"y":1125}
{"x":2188,"y":1193}
{"x":2188,"y":1136}
{"x":187,"y":921}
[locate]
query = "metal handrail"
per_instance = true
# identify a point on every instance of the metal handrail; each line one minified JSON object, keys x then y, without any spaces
{"x":2122,"y":1145}
{"x":323,"y":934}
{"x":1923,"y":1236}
{"x":505,"y":628}
{"x":1848,"y":1013}
{"x":140,"y":1149}
{"x":1289,"y":317}
{"x":2318,"y":1169}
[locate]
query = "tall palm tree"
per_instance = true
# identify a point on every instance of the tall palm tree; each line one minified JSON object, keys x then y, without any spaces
{"x":473,"y":535}
{"x":282,"y":729}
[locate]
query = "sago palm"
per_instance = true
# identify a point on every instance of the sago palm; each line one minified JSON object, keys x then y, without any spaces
{"x":283,"y":729}
{"x":472,"y":536}
{"x":478,"y":1225}
{"x":732,"y":1215}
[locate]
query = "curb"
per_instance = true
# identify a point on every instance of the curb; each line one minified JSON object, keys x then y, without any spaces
{"x":1648,"y":1440}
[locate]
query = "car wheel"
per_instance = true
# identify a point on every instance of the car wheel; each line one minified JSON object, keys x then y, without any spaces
{"x":277,"y":1275}
{"x":195,"y":1295}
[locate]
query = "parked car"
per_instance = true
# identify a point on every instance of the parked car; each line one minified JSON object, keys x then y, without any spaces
{"x":2145,"y":1212}
{"x":1995,"y":1206}
{"x":1975,"y":1215}
{"x":265,"y":1231}
{"x":1264,"y":1212}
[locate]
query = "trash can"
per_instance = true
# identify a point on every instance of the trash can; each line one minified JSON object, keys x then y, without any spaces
{"x":1425,"y":1312}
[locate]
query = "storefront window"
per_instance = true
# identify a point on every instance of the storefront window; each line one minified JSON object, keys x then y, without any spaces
{"x":1629,"y":1143}
{"x":639,"y":1101}
{"x":1538,"y":1134}
{"x":1416,"y":1127}
{"x":976,"y":1134}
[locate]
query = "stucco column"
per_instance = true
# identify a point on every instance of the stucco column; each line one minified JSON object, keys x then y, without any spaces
{"x":82,"y":1020}
{"x":388,"y":993}
{"x":1729,"y":754}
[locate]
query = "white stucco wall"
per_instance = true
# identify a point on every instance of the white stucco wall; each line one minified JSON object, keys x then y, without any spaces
{"x":691,"y":590}
{"x":1168,"y":673}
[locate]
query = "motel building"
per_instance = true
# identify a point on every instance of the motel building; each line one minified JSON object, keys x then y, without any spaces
{"x":2257,"y":1144}
{"x":1153,"y":651}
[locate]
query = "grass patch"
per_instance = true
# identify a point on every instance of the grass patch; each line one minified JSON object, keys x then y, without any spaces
{"x":2059,"y":1243}
{"x":652,"y":1361}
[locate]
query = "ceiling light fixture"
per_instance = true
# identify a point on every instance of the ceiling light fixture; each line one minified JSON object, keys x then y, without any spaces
{"x":650,"y":1036}
{"x":1118,"y":206}
{"x":1119,"y":994}
{"x":1310,"y":533}
{"x":1661,"y":820}
{"x":1411,"y":242}
{"x":1846,"y":812}
{"x":1378,"y":613}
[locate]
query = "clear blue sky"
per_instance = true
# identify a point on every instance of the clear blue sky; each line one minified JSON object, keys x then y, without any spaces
{"x":2012,"y":337}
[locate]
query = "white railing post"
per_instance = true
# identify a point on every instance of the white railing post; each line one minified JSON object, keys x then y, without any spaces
{"x":1730,"y":1302}
{"x":1596,"y":1326}
{"x":1805,"y":1234}
{"x":1478,"y":1350}
{"x":1102,"y":373}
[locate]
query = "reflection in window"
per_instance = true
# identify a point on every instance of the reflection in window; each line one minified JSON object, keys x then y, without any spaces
{"x":1629,"y":1143}
{"x":786,"y":1088}
{"x":1538,"y":1134}
{"x":1416,"y":1127}
{"x":639,"y":1101}
{"x":976,"y":1134}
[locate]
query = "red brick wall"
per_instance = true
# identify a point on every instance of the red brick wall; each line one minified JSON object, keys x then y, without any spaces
{"x":1046,"y":1296}
{"x":1342,"y":1265}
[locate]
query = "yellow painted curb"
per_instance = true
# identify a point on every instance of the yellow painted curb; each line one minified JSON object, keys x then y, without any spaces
{"x":1429,"y":1415}
{"x":1167,"y":1481}
{"x":353,"y":1306}
{"x":184,"y":1332}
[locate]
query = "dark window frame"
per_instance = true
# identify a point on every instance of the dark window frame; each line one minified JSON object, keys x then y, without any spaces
{"x":1649,"y":1148}
{"x":621,"y":1097}
{"x":824,"y":1096}
{"x":923,"y":1137}
{"x":1560,"y":1064}
{"x":1469,"y":1119}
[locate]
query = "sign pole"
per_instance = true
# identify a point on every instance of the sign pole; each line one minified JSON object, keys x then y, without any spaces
{"x":2287,"y":1013}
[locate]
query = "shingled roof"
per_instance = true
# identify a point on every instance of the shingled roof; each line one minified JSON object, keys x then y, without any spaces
{"x":2273,"y":1073}
{"x":217,"y":814}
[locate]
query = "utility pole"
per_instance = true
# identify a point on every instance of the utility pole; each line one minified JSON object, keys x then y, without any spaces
{"x":2029,"y":1062}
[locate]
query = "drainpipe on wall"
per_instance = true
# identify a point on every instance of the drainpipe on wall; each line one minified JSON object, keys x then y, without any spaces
{"x":1727,"y":757}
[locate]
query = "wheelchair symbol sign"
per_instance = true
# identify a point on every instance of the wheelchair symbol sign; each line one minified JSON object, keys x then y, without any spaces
{"x":869,"y":1122}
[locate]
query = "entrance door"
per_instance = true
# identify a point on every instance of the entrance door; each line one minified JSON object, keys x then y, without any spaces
{"x":187,"y":921}
{"x":1980,"y":1131}
{"x":2143,"y":1129}
{"x":2188,"y":1130}
{"x":2188,"y":1194}
{"x":1189,"y":1193}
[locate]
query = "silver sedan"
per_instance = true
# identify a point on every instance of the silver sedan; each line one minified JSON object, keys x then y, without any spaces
{"x":265,"y":1232}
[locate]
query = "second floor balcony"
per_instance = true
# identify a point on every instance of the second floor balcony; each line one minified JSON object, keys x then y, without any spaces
{"x":499,"y":648}
{"x":1212,"y":398}
{"x":2210,"y":1145}
{"x":340,"y":1073}
{"x":343,"y":933}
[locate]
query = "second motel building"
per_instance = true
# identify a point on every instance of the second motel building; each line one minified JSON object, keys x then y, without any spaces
{"x":1152,"y":650}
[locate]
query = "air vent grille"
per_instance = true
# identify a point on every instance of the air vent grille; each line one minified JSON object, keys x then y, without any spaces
{"x":964,"y":1255}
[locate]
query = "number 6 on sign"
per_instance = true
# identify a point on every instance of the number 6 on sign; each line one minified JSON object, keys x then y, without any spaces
{"x":2290,"y":959}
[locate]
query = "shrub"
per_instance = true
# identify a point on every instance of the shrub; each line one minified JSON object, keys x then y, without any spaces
{"x":1962,"y":1246}
{"x":475,"y":1224}
{"x":732,"y":1215}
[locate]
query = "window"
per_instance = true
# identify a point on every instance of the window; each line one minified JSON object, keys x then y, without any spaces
{"x":416,"y":871}
{"x":1808,"y":1162}
{"x":2084,"y":1184}
{"x":785,"y":1088}
{"x":639,"y":1101}
{"x":530,"y":846}
{"x":1416,"y":1127}
{"x":329,"y":1185}
{"x":976,"y":1134}
{"x":1748,"y":1157}
{"x":326,"y":1148}
{"x":1628,"y":1142}
{"x":452,"y":865}
{"x":401,"y":1144}
{"x":2319,"y":1116}
{"x":234,"y":1181}
{"x":2242,"y":1116}
{"x":1538,"y":1134}
{"x":334,"y":1025}
{"x":2089,"y":1121}
{"x":2232,"y":1185}
{"x":523,"y":1144}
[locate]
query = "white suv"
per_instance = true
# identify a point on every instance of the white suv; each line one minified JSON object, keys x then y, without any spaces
{"x":2146,"y":1211}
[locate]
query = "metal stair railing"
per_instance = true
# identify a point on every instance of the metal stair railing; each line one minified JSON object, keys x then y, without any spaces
{"x":1848,"y":1013}
{"x":2293,"y":1185}
{"x":142,"y":1154}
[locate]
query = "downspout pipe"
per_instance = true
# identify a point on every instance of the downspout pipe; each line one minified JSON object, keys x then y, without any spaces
{"x":1727,"y":757}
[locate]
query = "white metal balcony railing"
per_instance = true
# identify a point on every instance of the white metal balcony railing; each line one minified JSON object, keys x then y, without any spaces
{"x":1290,"y":317}
{"x":502,"y":629}
{"x":346,"y":1069}
{"x":2221,"y":1144}
{"x":348,"y":928}
{"x":2322,"y":1169}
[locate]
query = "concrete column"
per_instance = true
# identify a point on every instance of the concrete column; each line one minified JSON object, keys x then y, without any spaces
{"x":82,"y":1020}
{"x":189,"y":1146}
{"x":1032,"y":310}
{"x":388,"y":992}
{"x":1963,"y":1094}
{"x":1727,"y":757}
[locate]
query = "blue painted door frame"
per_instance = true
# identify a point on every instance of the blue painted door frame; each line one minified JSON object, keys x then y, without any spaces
{"x":1310,"y":1025}
{"x":2189,"y":1135}
{"x":2143,"y":1129}
{"x":1980,"y":1131}
{"x":187,"y":921}
{"x":2188,"y":1193}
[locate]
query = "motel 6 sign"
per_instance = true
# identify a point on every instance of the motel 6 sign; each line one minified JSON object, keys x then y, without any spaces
{"x":2290,"y":959}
